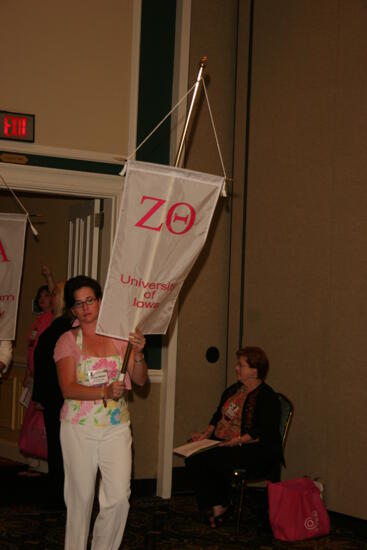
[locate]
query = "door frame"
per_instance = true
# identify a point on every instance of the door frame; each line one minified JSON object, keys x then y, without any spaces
{"x":69,"y":183}
{"x":170,"y":341}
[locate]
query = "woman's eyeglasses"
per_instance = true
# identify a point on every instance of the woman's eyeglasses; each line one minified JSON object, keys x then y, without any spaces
{"x":80,"y":303}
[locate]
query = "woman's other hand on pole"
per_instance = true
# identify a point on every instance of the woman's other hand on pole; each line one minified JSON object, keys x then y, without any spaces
{"x":137,"y":340}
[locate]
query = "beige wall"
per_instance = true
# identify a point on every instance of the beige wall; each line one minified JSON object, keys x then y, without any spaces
{"x":69,"y":64}
{"x":144,"y":412}
{"x":306,"y":273}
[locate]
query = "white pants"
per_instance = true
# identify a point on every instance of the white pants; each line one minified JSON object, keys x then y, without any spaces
{"x":85,"y":449}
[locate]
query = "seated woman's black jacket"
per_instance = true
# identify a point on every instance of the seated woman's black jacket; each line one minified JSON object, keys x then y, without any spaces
{"x":260,"y":416}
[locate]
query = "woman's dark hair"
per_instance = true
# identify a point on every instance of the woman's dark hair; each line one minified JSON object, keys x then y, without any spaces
{"x":256,"y":358}
{"x":43,"y":288}
{"x":75,"y":283}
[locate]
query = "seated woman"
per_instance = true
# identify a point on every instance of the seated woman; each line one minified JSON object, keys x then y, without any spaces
{"x":247,"y":424}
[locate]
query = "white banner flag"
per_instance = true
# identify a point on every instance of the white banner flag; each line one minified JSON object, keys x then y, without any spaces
{"x":163,"y":224}
{"x":12,"y":234}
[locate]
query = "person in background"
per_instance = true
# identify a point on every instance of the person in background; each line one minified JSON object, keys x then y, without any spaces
{"x":6,"y":355}
{"x":246,"y":423}
{"x":42,"y":300}
{"x":42,"y":304}
{"x":46,"y":392}
{"x":95,"y":424}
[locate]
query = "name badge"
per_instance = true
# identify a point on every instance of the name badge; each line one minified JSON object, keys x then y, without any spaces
{"x":231,"y":411}
{"x":98,"y":377}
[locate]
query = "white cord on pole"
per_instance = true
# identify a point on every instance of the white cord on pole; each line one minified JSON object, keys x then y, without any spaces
{"x":214,"y":130}
{"x":33,"y":229}
{"x":132,"y":155}
{"x":160,"y":123}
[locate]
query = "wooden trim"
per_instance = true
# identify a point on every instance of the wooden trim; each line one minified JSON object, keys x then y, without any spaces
{"x":169,"y":348}
{"x":134,"y":76}
{"x":59,"y":152}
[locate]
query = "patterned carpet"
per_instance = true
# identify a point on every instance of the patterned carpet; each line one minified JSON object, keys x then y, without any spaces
{"x":153,"y":523}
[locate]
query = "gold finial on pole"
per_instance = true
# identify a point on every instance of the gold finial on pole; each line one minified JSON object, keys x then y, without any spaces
{"x":202,"y":66}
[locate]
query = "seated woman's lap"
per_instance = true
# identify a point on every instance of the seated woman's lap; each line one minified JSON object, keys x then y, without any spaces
{"x":222,"y":460}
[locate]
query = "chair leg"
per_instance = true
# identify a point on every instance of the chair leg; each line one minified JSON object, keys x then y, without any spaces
{"x":240,"y":504}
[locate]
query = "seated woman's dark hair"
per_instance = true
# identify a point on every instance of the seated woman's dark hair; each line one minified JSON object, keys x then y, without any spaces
{"x":43,"y":288}
{"x":75,"y":283}
{"x":256,"y":358}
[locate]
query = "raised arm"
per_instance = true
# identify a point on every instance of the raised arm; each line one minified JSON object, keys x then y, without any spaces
{"x":46,"y":272}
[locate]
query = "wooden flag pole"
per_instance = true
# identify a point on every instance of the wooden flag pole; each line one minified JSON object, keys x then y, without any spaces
{"x":202,"y":65}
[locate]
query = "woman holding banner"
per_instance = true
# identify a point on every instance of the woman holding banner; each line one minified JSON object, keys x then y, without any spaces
{"x":95,"y":425}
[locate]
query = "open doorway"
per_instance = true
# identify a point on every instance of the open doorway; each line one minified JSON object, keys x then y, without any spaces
{"x":72,"y":240}
{"x":53,"y":195}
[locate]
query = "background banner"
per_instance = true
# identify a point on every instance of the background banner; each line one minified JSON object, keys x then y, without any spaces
{"x":12,"y":235}
{"x":164,"y":220}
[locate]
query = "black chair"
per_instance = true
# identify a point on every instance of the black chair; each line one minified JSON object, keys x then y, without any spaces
{"x":240,"y":475}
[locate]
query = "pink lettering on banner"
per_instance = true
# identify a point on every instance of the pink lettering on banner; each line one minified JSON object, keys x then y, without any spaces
{"x":148,"y":305}
{"x":2,"y":253}
{"x":172,"y":217}
{"x":133,"y":281}
{"x":7,"y":297}
{"x":154,"y":208}
{"x":188,"y":220}
{"x":150,"y":294}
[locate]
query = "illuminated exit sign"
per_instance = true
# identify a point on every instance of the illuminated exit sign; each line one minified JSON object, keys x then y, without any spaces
{"x":16,"y":126}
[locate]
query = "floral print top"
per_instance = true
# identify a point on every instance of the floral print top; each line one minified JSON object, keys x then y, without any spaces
{"x":93,"y":413}
{"x":229,"y":425}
